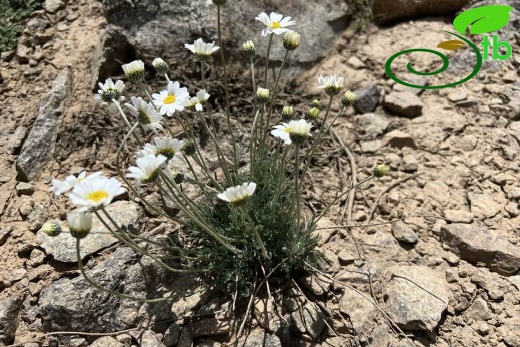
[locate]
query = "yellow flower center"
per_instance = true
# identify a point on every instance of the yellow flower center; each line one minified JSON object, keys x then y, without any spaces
{"x":170,"y":99}
{"x":276,"y":25}
{"x":287,"y":130}
{"x":97,"y":195}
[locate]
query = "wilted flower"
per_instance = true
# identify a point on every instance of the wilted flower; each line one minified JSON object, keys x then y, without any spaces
{"x":287,"y":113}
{"x":164,"y":145}
{"x":291,"y":40}
{"x":171,"y":100}
{"x":188,"y":148}
{"x":51,"y":228}
{"x":275,"y":23}
{"x":331,"y":84}
{"x":147,"y":168}
{"x":146,"y":114}
{"x":248,"y":48}
{"x":110,"y":91}
{"x":238,"y":195}
{"x":79,"y":223}
{"x":160,"y":66}
{"x":178,"y":177}
{"x":96,"y":192}
{"x":134,"y":70}
{"x":348,"y":98}
{"x":202,"y":49}
{"x":262,"y":95}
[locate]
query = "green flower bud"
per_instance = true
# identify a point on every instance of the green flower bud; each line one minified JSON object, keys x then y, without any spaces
{"x":188,"y":148}
{"x":348,"y":98}
{"x":313,"y":113}
{"x":380,"y":171}
{"x":248,"y":48}
{"x":315,"y":103}
{"x":51,"y":228}
{"x":160,"y":66}
{"x":219,"y":2}
{"x":291,"y":40}
{"x":262,"y":95}
{"x":287,"y":113}
{"x":178,"y":177}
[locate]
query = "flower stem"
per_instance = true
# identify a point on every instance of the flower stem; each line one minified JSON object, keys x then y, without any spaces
{"x":267,"y":59}
{"x":255,"y":231}
{"x":297,"y":195}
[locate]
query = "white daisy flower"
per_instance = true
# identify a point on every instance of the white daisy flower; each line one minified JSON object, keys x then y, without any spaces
{"x":110,"y":91}
{"x":164,"y":145}
{"x":196,"y":101}
{"x":275,"y":23}
{"x":201,"y":48}
{"x":331,"y":84}
{"x":59,"y":187}
{"x":79,"y":223}
{"x":134,"y":70}
{"x":146,"y":114}
{"x":93,"y":193}
{"x":147,"y":168}
{"x":296,"y":131}
{"x":171,"y":100}
{"x":239,"y":194}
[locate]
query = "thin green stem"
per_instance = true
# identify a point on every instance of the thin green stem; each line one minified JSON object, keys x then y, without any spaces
{"x":267,"y":59}
{"x":254,"y":82}
{"x":297,"y":195}
{"x":118,"y":105}
{"x":255,"y":231}
{"x":252,"y":146}
{"x":273,"y":95}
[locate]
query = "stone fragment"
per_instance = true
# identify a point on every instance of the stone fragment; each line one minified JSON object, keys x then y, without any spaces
{"x":361,"y":310}
{"x":370,"y":146}
{"x":458,"y":94}
{"x":40,"y":143}
{"x":481,"y":245}
{"x":259,"y":338}
{"x":386,"y":12}
{"x":9,"y":310}
{"x":355,"y":62}
{"x":24,"y":188}
{"x":469,"y":102}
{"x":403,"y":104}
{"x":63,"y":246}
{"x":371,"y":126}
{"x":367,"y":99}
{"x":458,"y":216}
{"x":171,"y":336}
{"x":37,"y":217}
{"x":106,"y":341}
{"x":412,"y":79}
{"x":403,"y":233}
{"x":7,"y":55}
{"x":478,"y":311}
{"x":36,"y":258}
{"x":209,"y":327}
{"x":17,"y":274}
{"x":510,"y":77}
{"x":149,"y":339}
{"x":409,"y":301}
{"x":409,"y":163}
{"x":16,"y":140}
{"x":307,"y":320}
{"x":483,"y":205}
{"x":53,"y":6}
{"x":22,"y":53}
{"x":399,"y":139}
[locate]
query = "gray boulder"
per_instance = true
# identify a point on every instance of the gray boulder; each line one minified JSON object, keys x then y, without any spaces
{"x":74,"y":305}
{"x":40,"y":143}
{"x":161,"y":28}
{"x":386,"y":12}
{"x":9,"y":310}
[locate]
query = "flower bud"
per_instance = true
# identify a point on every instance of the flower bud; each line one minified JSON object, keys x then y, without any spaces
{"x":79,"y":224}
{"x":291,"y":40}
{"x":51,"y":228}
{"x":188,"y":148}
{"x":380,"y":171}
{"x":219,"y":2}
{"x":315,"y":103}
{"x":348,"y":98}
{"x":160,"y":66}
{"x":134,"y":70}
{"x":262,"y":95}
{"x":313,"y":113}
{"x":248,"y":48}
{"x":287,"y":113}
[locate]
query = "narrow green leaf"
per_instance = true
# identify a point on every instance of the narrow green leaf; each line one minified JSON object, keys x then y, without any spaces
{"x":483,"y":19}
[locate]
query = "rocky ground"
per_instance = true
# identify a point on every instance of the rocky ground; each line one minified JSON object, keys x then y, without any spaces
{"x":431,"y":250}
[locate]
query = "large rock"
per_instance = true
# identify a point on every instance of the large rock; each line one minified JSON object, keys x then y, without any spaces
{"x":386,"y":12}
{"x":63,"y":246}
{"x":416,"y":297}
{"x":75,"y":305}
{"x":9,"y":310}
{"x":481,"y":245}
{"x":403,"y":104}
{"x":145,"y":23}
{"x":40,"y":143}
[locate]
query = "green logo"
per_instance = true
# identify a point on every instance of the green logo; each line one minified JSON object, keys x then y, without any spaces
{"x":479,"y":20}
